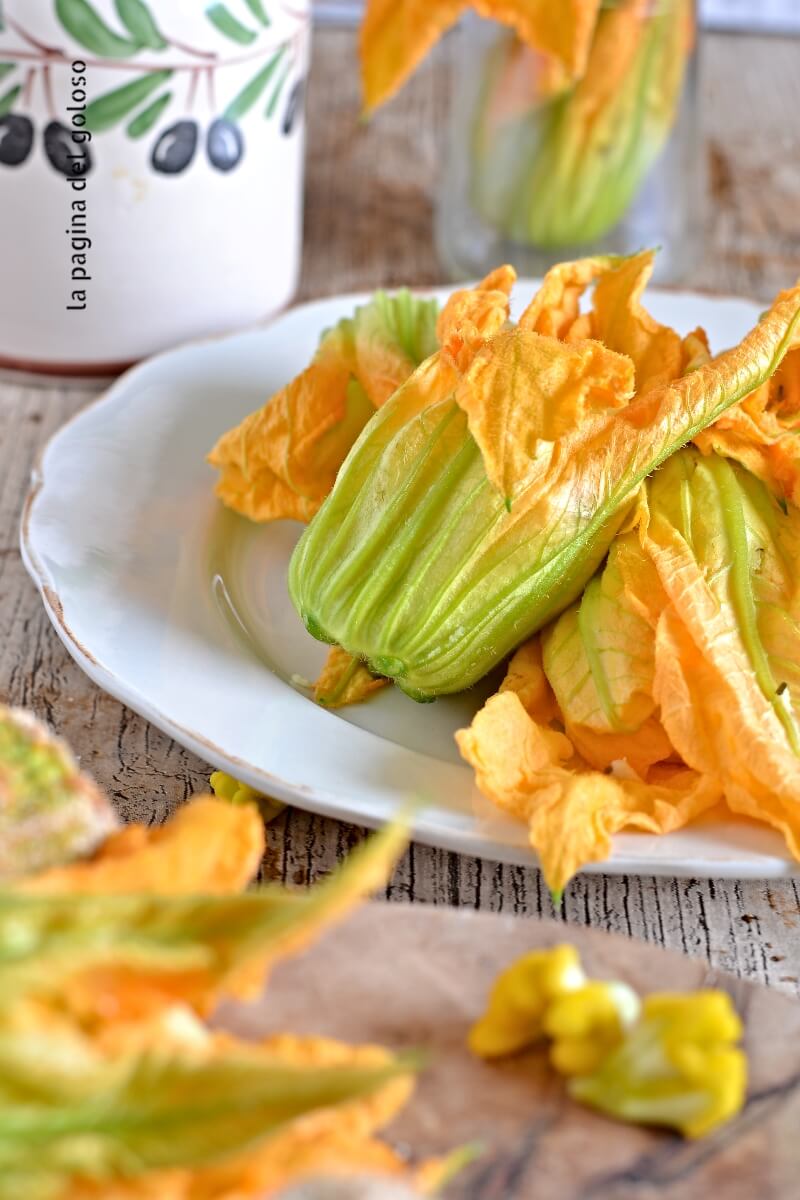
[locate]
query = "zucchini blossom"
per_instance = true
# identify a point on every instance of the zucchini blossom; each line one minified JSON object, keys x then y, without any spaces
{"x":679,"y":1066}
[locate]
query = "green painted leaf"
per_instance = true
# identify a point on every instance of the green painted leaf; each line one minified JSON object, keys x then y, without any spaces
{"x":84,"y":24}
{"x":2,"y":18}
{"x":252,"y":91}
{"x":259,"y":12}
{"x":148,"y":116}
{"x":276,"y":91}
{"x":139,"y":22}
{"x":8,"y":100}
{"x":221,"y":16}
{"x":110,"y":108}
{"x":5,"y":67}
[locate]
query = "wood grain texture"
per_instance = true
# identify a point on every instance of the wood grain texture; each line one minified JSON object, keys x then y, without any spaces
{"x":369,"y":206}
{"x":422,"y":980}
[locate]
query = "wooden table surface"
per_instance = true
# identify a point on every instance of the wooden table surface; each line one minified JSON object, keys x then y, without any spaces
{"x":370,"y":195}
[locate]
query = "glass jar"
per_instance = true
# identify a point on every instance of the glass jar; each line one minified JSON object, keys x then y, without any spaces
{"x":542,"y":168}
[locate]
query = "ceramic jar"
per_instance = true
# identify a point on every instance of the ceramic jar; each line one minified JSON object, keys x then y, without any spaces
{"x":150,"y":173}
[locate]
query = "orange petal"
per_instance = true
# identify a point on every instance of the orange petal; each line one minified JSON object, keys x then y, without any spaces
{"x":345,"y":680}
{"x":762,"y":431}
{"x":571,"y":814}
{"x":397,"y":34}
{"x":472,"y":315}
{"x":556,"y":305}
{"x":281,"y":461}
{"x":573,"y":820}
{"x":563,"y":30}
{"x":621,"y":322}
{"x":522,"y":389}
{"x":209,"y":846}
{"x":332,"y":1141}
{"x":720,"y":722}
{"x":696,"y":350}
{"x":395,"y":37}
{"x":339,"y":1140}
{"x":617,"y":318}
{"x":525,"y":676}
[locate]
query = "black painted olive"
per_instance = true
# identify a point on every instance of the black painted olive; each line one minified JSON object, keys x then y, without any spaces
{"x":225,"y":144}
{"x":16,"y":139}
{"x":175,"y":148}
{"x":65,"y":155}
{"x":294,"y":107}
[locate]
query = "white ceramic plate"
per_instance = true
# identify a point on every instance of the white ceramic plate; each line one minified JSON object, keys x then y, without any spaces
{"x":179,"y":608}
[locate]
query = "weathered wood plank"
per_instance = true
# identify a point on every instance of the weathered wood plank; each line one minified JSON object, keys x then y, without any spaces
{"x":422,"y":977}
{"x":369,"y":222}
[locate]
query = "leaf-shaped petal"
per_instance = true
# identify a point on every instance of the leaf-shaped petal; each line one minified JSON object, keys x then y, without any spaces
{"x":620,"y":321}
{"x":281,"y":461}
{"x":482,"y":310}
{"x":555,"y":306}
{"x":525,"y":676}
{"x":209,"y":847}
{"x":617,"y":318}
{"x":126,"y":955}
{"x":522,"y":389}
{"x":563,"y":32}
{"x":397,"y":34}
{"x":763,"y":432}
{"x":571,"y":812}
{"x":599,"y":658}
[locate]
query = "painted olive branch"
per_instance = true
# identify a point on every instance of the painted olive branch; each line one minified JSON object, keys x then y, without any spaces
{"x":28,"y":37}
{"x":58,"y":56}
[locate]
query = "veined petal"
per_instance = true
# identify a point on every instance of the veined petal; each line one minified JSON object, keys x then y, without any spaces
{"x":397,"y":34}
{"x":282,"y":460}
{"x":522,"y":389}
{"x":599,"y":658}
{"x":571,"y":812}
